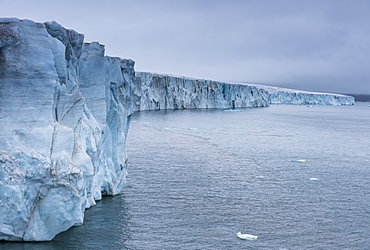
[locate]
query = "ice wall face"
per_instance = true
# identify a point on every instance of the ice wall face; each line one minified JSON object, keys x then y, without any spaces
{"x":63,"y":115}
{"x":156,"y":91}
{"x":107,"y":82}
{"x":298,"y":97}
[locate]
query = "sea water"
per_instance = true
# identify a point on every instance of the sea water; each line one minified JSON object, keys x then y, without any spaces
{"x":298,"y":177}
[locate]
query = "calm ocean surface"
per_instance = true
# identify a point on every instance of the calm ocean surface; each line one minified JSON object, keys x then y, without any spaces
{"x":197,"y":177}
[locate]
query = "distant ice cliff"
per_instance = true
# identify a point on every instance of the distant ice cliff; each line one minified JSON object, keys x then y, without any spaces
{"x":297,"y":97}
{"x":161,"y":91}
{"x":156,"y":91}
{"x":64,"y":115}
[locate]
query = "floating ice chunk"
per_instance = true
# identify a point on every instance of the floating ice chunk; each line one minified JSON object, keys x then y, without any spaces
{"x":314,"y":179}
{"x":193,"y":129}
{"x":260,"y":177}
{"x":170,"y":129}
{"x":246,"y":236}
{"x":299,"y":160}
{"x":232,"y":110}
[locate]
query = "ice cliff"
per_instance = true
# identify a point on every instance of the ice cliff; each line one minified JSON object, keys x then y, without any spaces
{"x":64,"y":115}
{"x":297,"y":97}
{"x":156,"y":91}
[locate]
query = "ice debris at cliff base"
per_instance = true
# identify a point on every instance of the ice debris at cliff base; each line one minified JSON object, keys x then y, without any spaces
{"x":64,"y":115}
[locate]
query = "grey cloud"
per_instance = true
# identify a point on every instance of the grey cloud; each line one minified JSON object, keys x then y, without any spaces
{"x":308,"y":44}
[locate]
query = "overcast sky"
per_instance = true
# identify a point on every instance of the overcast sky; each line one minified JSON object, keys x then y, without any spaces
{"x":317,"y":45}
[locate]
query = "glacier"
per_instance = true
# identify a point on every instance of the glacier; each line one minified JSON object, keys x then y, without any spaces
{"x":158,"y":91}
{"x":65,"y":111}
{"x":297,"y":97}
{"x":162,"y":91}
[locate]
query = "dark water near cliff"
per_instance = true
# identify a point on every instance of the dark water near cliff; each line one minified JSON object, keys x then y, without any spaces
{"x":197,"y":177}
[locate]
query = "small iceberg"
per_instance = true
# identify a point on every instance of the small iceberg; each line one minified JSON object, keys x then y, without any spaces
{"x":170,"y":129}
{"x":233,"y":110}
{"x":260,"y":177}
{"x":314,"y":179}
{"x":300,"y":160}
{"x":246,"y":236}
